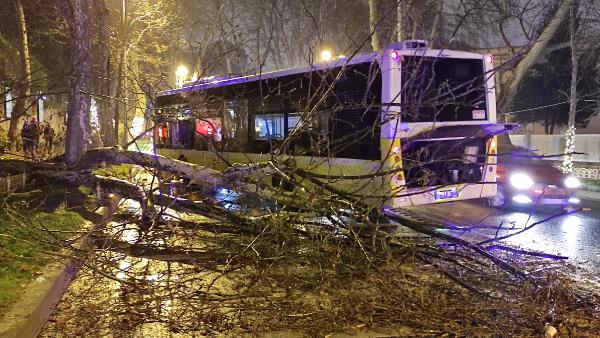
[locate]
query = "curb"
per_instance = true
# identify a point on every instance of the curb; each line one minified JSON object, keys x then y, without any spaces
{"x":29,"y":315}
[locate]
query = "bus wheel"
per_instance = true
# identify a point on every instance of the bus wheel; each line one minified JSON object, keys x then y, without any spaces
{"x":498,"y":201}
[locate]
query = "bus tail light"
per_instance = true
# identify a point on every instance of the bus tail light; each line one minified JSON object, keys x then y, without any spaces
{"x":489,"y":58}
{"x":394,"y":55}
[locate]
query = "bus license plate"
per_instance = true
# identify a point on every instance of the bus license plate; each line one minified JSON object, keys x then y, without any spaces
{"x":445,"y":194}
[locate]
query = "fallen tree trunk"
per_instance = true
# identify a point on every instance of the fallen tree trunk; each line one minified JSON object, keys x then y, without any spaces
{"x":82,"y":174}
{"x":101,"y":156}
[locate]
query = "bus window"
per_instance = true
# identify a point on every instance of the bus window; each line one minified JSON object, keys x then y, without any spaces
{"x":162,"y":135}
{"x":355,"y":134}
{"x":271,"y":127}
{"x":209,"y":133}
{"x":293,"y":120}
{"x":268,"y":127}
{"x":208,"y":127}
{"x":182,"y":133}
{"x":354,"y":123}
{"x":442,"y":89}
{"x":235,"y":125}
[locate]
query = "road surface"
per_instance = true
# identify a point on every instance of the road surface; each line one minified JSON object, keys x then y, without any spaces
{"x":575,"y":235}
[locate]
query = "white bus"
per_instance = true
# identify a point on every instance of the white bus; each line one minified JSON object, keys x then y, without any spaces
{"x":402,"y":127}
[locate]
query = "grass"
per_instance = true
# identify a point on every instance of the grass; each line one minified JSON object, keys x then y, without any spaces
{"x":24,"y":238}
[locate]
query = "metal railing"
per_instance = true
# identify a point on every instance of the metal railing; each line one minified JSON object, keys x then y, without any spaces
{"x":12,"y":183}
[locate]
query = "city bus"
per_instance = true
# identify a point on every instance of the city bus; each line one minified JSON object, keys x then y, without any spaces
{"x":407,"y":126}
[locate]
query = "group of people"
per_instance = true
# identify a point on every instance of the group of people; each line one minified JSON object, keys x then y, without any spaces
{"x":30,"y":136}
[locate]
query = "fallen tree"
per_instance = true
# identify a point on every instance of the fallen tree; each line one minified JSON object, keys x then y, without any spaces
{"x":243,"y":269}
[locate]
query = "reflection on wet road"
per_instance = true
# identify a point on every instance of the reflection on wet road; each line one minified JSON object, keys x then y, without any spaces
{"x":576,"y":235}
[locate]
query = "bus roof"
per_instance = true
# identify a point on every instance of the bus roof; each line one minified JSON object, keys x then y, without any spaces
{"x":214,"y":82}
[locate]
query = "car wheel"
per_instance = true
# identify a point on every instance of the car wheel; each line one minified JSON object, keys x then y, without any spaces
{"x":498,"y":201}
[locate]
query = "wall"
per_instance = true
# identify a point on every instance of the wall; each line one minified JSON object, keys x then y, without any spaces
{"x":585,"y":166}
{"x":554,"y":144}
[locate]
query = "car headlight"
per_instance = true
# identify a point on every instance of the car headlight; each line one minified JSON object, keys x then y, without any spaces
{"x":521,"y":181}
{"x":572,"y":182}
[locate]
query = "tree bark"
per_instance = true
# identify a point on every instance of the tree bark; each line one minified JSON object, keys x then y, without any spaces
{"x":433,"y":37}
{"x":24,"y":84}
{"x":515,"y":77}
{"x":105,"y":117}
{"x":120,"y":104}
{"x":81,"y":81}
{"x":399,"y":19}
{"x":373,"y":23}
{"x":113,"y":156}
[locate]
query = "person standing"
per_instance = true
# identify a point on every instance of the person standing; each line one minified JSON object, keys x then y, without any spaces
{"x":48,"y":137}
{"x":25,"y":138}
{"x":34,"y":132}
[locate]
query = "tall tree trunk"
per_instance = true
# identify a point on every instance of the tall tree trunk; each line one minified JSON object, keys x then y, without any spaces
{"x":373,"y":23}
{"x":105,"y":117}
{"x":399,"y":19}
{"x":24,"y":84}
{"x":119,"y":97}
{"x":81,"y":83}
{"x":435,"y":27}
{"x":416,"y":16}
{"x":570,"y":133}
{"x":515,"y":77}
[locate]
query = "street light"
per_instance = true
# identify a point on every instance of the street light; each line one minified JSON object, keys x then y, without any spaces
{"x":181,"y":73}
{"x":326,"y":55}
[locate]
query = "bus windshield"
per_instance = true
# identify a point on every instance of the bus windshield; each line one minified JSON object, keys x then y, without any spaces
{"x":442,"y":89}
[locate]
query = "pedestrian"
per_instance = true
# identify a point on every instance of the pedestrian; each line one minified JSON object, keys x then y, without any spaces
{"x":48,"y":137}
{"x":25,"y":138}
{"x":34,"y":132}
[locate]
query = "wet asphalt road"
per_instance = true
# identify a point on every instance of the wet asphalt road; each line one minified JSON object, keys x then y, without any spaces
{"x":575,"y":235}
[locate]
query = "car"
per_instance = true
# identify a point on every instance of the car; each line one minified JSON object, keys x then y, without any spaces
{"x":525,"y":179}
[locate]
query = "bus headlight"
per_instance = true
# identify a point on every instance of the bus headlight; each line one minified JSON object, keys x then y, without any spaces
{"x":521,"y":181}
{"x":572,"y":182}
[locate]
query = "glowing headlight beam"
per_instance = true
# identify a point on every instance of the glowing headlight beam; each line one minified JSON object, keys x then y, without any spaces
{"x":572,"y":182}
{"x":522,"y":199}
{"x":521,"y":181}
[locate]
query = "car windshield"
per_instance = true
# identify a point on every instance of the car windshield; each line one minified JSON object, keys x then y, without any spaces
{"x":519,"y":155}
{"x":510,"y":153}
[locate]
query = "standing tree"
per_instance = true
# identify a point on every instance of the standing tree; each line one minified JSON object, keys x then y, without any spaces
{"x":107,"y":126}
{"x":555,"y":90}
{"x":513,"y":79}
{"x":24,"y":82}
{"x":373,"y":19}
{"x":76,"y":13}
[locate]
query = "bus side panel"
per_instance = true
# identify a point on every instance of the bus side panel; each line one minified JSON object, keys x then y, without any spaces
{"x":391,"y":155}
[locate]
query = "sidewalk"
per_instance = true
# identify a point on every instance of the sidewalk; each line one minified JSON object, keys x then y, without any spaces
{"x":28,"y":315}
{"x":590,"y":195}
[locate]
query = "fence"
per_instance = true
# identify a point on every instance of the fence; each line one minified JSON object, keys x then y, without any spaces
{"x":9,"y":184}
